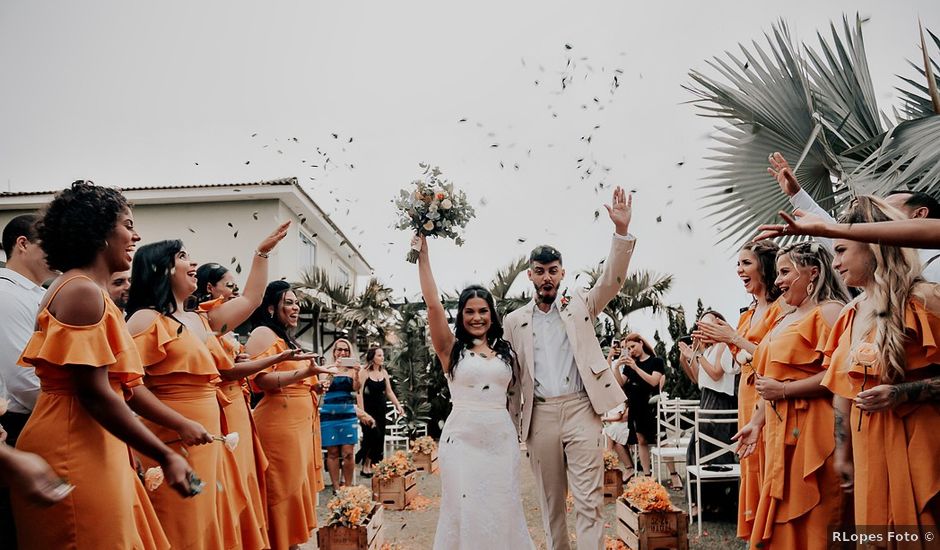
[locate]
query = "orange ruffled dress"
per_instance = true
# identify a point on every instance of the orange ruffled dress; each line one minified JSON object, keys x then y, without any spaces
{"x":181,"y":372}
{"x":896,"y":452}
{"x":284,"y":419}
{"x":753,"y":330}
{"x":249,"y":456}
{"x":109,"y":508}
{"x":800,"y":495}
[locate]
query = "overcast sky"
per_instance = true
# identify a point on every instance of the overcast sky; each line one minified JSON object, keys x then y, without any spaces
{"x":170,"y":93}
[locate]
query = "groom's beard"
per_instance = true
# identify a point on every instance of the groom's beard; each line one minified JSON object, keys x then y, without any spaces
{"x":544,"y":297}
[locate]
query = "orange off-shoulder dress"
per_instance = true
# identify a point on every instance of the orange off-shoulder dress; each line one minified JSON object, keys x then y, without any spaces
{"x":753,"y":330}
{"x":896,"y":452}
{"x":800,"y":495}
{"x":284,"y":419}
{"x":249,"y":456}
{"x":181,"y":372}
{"x":109,"y":508}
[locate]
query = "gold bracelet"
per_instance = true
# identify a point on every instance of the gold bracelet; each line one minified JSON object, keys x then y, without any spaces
{"x":261,"y":254}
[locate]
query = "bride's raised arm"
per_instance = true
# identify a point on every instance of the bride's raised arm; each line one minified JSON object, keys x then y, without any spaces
{"x":441,"y":337}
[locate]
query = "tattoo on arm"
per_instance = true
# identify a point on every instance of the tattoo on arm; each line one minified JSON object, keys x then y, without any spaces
{"x":919,"y":391}
{"x":840,"y":428}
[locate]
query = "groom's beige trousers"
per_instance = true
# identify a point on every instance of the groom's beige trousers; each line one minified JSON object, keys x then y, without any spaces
{"x":565,"y":448}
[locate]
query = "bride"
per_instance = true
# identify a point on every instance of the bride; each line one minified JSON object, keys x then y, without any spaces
{"x":481,"y":506}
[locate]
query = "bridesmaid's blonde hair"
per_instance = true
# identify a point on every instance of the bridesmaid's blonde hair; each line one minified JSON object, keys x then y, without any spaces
{"x":896,"y":271}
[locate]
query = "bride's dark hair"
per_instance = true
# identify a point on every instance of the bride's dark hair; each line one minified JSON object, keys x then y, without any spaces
{"x":494,"y":336}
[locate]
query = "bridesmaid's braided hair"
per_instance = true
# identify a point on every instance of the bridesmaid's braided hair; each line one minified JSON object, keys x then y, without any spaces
{"x":494,"y":336}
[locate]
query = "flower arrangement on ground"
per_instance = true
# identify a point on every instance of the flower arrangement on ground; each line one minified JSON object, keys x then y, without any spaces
{"x":396,"y":465}
{"x":424,"y":445}
{"x":432,"y":207}
{"x":648,"y":495}
{"x":350,"y":506}
{"x":611,"y":462}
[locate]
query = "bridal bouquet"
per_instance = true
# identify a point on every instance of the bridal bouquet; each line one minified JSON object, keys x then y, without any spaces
{"x":423,"y":445}
{"x":396,"y":465}
{"x":350,"y":506}
{"x":432,"y":207}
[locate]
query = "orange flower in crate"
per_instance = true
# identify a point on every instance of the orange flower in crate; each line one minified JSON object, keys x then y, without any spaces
{"x":395,"y":481}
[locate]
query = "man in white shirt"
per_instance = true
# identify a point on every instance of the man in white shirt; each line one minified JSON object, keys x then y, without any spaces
{"x":915,"y":205}
{"x":565,"y":384}
{"x":20,"y":293}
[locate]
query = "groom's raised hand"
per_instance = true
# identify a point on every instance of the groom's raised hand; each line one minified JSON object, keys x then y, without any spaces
{"x":620,"y":210}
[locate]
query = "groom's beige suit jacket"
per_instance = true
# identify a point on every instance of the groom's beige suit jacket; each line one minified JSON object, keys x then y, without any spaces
{"x":578,"y":316}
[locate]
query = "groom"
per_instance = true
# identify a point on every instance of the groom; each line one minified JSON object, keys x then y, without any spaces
{"x":566,"y":384}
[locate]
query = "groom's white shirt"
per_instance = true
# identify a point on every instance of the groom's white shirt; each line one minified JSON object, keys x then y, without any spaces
{"x":556,"y":372}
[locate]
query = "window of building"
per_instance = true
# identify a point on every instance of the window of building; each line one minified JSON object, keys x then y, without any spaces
{"x":342,"y":276}
{"x":308,"y":252}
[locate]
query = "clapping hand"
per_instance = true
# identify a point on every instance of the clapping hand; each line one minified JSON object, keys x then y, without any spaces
{"x":620,"y":210}
{"x":719,"y":331}
{"x":686,"y":351}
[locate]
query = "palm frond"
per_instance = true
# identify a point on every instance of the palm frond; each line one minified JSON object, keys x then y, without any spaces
{"x":767,"y":104}
{"x":920,"y":102}
{"x":506,"y":276}
{"x":908,"y":158}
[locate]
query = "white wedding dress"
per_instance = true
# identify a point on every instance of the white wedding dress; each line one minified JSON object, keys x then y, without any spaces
{"x":481,"y":505}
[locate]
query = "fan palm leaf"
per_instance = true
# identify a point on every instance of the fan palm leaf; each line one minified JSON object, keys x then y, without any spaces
{"x":767,"y":102}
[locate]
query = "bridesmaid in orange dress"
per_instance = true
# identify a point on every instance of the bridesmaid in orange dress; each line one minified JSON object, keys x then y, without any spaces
{"x":887,"y":448}
{"x":216,"y":289}
{"x":179,"y":352}
{"x":88,"y":366}
{"x":757,"y":268}
{"x":800,"y":495}
{"x":283,"y":417}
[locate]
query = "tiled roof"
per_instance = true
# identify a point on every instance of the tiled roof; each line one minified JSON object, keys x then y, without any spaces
{"x":280,"y":181}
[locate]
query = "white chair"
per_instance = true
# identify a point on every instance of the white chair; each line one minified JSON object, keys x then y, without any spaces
{"x":674,"y":423}
{"x":700,"y":472}
{"x":395,"y":435}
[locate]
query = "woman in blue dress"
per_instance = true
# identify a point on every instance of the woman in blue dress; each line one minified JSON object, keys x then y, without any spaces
{"x":340,"y":414}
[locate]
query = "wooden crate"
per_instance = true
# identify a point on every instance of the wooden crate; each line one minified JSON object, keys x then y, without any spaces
{"x":425,"y":462}
{"x":396,"y":493}
{"x":652,"y":530}
{"x":613,"y":485}
{"x":368,"y":536}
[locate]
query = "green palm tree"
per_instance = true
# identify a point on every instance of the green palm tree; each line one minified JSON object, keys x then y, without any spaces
{"x":816,"y":106}
{"x":642,"y":290}
{"x":369,"y":313}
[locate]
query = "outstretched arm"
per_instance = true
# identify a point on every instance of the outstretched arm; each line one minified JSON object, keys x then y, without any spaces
{"x":441,"y":337}
{"x":917,"y":233}
{"x":236,"y":311}
{"x":618,"y":260}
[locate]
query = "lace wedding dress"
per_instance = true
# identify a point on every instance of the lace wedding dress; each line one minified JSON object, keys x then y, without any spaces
{"x":481,"y":505}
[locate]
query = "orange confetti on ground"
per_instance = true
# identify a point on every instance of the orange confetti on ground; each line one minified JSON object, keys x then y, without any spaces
{"x":419,"y":503}
{"x":614,"y":544}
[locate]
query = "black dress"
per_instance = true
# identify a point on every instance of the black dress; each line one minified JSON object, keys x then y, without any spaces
{"x":375,"y":404}
{"x":641,"y":415}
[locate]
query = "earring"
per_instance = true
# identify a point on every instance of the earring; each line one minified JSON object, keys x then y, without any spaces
{"x":810,"y":287}
{"x":106,"y":244}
